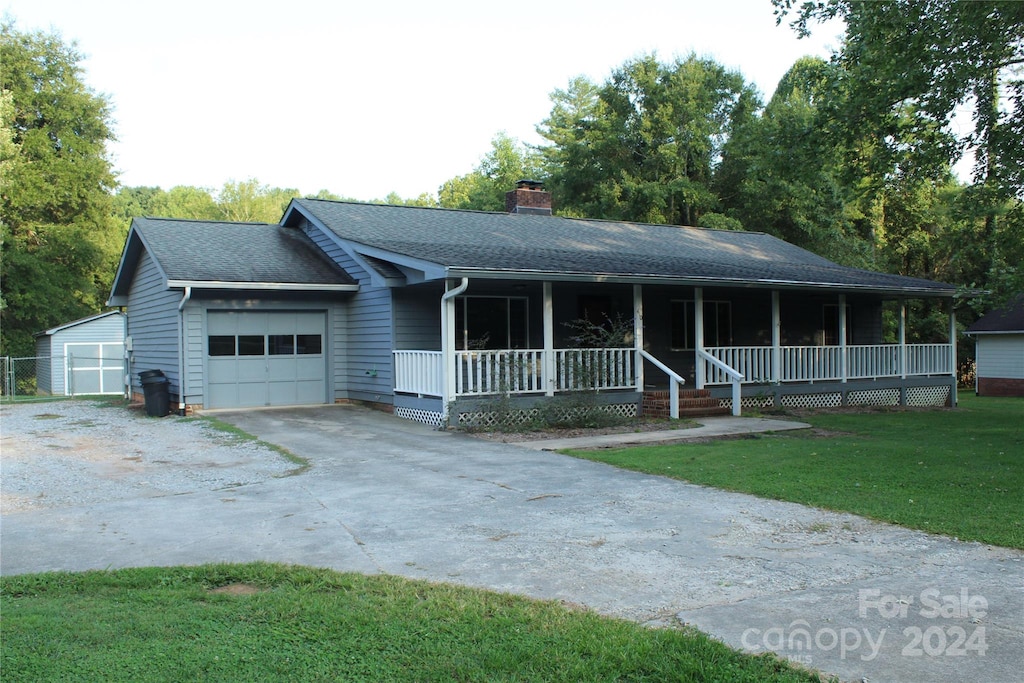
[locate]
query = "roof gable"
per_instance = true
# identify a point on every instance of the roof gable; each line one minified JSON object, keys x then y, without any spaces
{"x":75,"y":323}
{"x":474,"y":242}
{"x":227,"y":255}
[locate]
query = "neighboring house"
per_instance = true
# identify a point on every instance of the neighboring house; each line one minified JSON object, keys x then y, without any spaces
{"x":82,"y":357}
{"x":425,"y":311}
{"x":999,"y":350}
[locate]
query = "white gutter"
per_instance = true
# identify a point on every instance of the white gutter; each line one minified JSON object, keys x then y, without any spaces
{"x":272,"y":286}
{"x":448,"y":344}
{"x":181,"y":348}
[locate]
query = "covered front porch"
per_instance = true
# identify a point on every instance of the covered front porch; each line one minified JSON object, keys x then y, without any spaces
{"x":747,"y":347}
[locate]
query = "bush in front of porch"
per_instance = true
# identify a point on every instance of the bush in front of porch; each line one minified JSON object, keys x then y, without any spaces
{"x":575,"y":410}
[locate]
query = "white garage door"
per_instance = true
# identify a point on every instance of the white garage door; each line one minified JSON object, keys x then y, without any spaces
{"x":265,"y":359}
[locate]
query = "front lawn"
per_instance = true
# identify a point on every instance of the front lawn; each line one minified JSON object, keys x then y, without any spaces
{"x":956,"y":472}
{"x":261,"y":622}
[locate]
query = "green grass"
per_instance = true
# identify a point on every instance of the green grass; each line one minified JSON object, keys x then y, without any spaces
{"x":303,"y":624}
{"x":956,"y":472}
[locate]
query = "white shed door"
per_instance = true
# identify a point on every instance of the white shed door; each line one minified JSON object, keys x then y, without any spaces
{"x":93,"y":368}
{"x":265,"y":359}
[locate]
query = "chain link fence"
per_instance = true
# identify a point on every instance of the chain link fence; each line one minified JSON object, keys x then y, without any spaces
{"x":47,"y":378}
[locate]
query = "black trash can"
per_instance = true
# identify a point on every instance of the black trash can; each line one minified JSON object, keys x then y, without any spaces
{"x":156,"y":388}
{"x":149,"y":374}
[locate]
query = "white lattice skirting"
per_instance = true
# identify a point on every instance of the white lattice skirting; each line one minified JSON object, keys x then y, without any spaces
{"x":829,"y":400}
{"x":520,"y":416}
{"x":916,"y":396}
{"x":427,"y":417}
{"x":928,"y":396}
{"x":874,"y":397}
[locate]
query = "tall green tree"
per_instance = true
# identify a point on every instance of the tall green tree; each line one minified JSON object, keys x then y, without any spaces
{"x":907,"y":67}
{"x":780,"y":175}
{"x":484,"y":188}
{"x":645,"y":144}
{"x":60,"y":241}
{"x":249,"y":201}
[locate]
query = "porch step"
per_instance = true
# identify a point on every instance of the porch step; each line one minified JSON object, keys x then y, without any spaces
{"x":692,"y":403}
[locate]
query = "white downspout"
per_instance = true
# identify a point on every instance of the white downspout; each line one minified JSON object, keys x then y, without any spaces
{"x":448,"y":344}
{"x":181,"y":348}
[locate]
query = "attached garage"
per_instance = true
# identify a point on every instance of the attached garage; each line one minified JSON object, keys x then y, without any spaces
{"x":273,"y":358}
{"x":235,"y":315}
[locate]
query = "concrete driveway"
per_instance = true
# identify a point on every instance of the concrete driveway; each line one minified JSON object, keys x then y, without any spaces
{"x":836,"y":592}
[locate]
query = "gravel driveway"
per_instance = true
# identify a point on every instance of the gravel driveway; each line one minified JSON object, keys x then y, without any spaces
{"x":87,"y":487}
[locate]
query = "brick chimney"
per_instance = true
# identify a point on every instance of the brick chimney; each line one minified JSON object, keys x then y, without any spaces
{"x":528,"y":197}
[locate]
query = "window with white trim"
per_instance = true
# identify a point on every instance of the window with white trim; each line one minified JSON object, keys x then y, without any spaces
{"x":717,"y":324}
{"x":491,"y":322}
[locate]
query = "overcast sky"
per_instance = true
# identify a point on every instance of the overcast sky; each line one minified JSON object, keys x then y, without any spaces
{"x":365,"y":98}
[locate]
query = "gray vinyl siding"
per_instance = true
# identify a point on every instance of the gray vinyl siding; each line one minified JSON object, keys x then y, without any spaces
{"x":367,"y":366}
{"x":417,"y":313}
{"x":153,"y":325}
{"x":1000,"y":356}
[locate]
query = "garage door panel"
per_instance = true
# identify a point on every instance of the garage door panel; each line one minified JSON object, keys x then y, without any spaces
{"x":281,"y":323}
{"x":281,"y":369}
{"x":223,"y":395}
{"x":252,"y":369}
{"x":309,"y":391}
{"x":220,"y":323}
{"x":309,"y":368}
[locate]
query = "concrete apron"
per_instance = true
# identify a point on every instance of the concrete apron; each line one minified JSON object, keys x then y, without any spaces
{"x":836,"y":592}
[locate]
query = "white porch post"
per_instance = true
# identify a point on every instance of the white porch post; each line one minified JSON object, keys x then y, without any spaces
{"x":842,"y":337}
{"x":698,"y":335}
{"x":448,"y":365}
{"x":638,"y":334}
{"x":776,"y":338}
{"x":903,"y":338}
{"x":549,"y":341}
{"x":952,"y":338}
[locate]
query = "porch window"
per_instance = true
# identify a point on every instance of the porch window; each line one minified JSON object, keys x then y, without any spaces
{"x":492,"y":322}
{"x":830,"y":325}
{"x":717,"y":324}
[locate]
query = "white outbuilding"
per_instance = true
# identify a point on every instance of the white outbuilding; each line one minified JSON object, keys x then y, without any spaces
{"x":82,"y":357}
{"x":999,"y":350}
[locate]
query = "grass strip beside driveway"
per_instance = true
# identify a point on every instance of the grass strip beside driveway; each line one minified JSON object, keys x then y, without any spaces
{"x":264,"y":622}
{"x":956,"y":472}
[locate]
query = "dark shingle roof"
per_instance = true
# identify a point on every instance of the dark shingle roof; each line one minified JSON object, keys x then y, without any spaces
{"x":209,"y":251}
{"x":1008,"y":318}
{"x":472,"y":240}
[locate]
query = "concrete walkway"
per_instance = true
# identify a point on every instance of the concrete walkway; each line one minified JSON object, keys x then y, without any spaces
{"x":836,"y":592}
{"x":708,"y":427}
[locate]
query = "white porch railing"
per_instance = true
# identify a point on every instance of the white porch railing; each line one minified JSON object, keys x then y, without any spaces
{"x":822,"y":363}
{"x":418,"y":372}
{"x":732,"y":374}
{"x":580,"y":369}
{"x":515,"y":371}
{"x":675,"y":381}
{"x":494,"y":372}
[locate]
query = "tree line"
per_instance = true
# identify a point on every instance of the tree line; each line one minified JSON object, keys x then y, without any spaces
{"x":851,"y":158}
